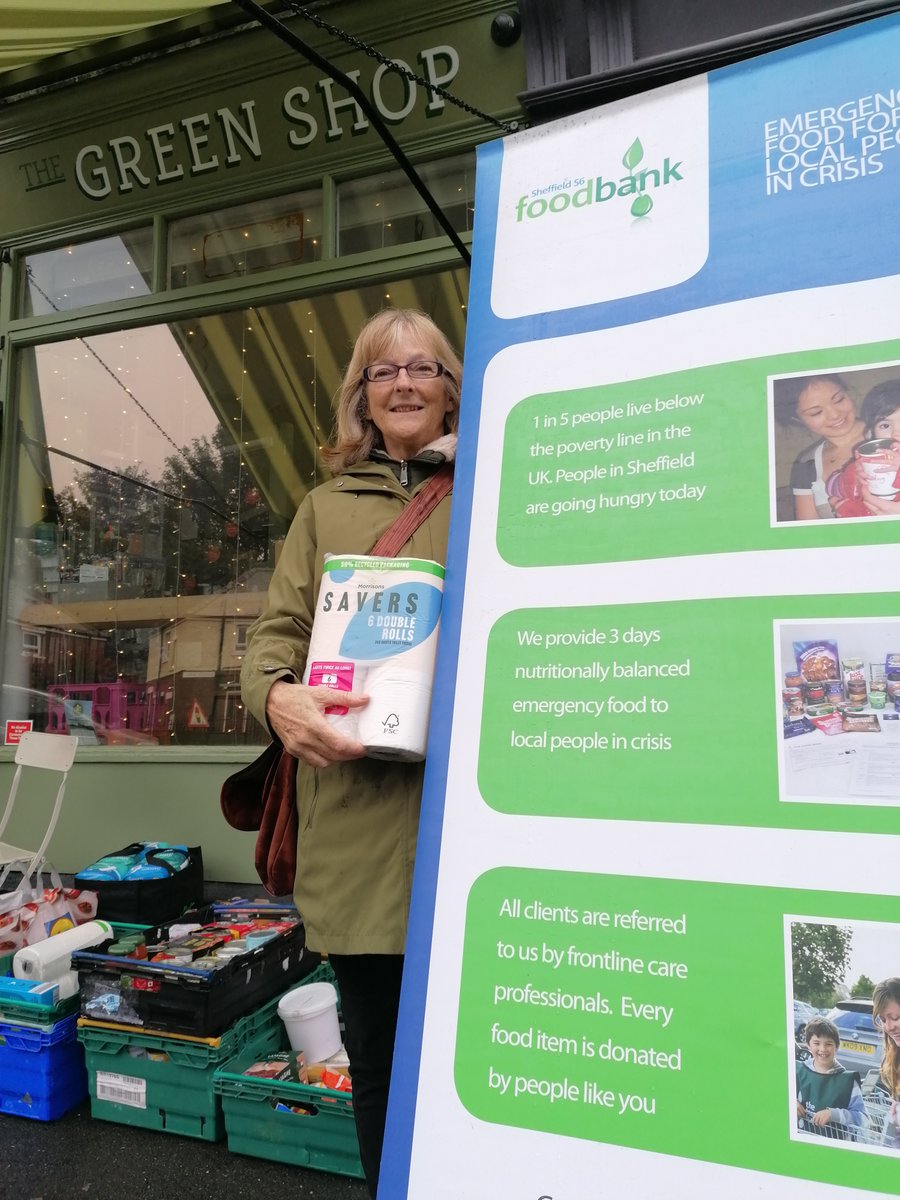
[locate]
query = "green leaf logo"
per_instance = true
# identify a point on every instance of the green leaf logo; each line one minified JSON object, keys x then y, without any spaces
{"x":642,"y":205}
{"x":633,"y":155}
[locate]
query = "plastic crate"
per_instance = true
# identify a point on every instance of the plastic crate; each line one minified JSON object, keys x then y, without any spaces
{"x":199,"y":1003}
{"x":261,"y":1117}
{"x":42,"y":1071}
{"x":153,"y":1081}
{"x":42,"y":1016}
{"x":287,"y":1122}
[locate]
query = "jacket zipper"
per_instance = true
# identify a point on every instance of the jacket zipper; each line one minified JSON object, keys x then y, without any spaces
{"x":404,"y":474}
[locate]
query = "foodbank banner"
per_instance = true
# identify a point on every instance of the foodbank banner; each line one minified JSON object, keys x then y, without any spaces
{"x":663,"y":795}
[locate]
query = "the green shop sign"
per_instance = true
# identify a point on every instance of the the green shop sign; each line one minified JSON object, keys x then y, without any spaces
{"x":241,"y":114}
{"x":214,"y":139}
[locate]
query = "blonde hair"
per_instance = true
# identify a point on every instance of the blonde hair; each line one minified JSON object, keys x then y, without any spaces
{"x":355,"y":433}
{"x":885,"y":992}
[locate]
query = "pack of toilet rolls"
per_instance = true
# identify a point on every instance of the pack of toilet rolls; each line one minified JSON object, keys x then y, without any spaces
{"x":375,"y":631}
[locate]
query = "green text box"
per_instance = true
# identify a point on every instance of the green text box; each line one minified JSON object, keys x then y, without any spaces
{"x":702,"y":1046}
{"x":710,"y":758}
{"x":564,"y":497}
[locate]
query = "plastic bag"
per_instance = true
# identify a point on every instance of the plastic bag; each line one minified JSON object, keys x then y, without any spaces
{"x":33,"y":911}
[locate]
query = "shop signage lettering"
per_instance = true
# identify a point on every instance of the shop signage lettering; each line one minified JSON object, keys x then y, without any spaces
{"x":204,"y":142}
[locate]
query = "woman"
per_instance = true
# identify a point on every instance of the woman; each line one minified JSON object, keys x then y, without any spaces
{"x":823,"y":405}
{"x":886,"y":1015}
{"x":397,"y":414}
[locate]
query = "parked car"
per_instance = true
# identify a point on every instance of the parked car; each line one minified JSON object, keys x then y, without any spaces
{"x":803,"y":1012}
{"x":862,"y":1045}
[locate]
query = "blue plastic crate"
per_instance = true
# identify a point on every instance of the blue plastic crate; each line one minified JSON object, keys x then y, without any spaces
{"x":42,"y":1071}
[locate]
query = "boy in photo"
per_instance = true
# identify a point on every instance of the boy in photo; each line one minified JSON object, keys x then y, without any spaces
{"x":829,"y":1098}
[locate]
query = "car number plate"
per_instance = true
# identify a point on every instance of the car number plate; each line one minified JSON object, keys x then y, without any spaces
{"x":860,"y":1047}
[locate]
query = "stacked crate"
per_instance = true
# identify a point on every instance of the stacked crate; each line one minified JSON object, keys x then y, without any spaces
{"x":42,"y":1068}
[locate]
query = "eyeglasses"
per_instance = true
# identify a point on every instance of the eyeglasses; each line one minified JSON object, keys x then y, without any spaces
{"x":385,"y":372}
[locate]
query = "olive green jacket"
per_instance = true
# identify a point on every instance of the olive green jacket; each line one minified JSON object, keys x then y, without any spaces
{"x":358,"y":820}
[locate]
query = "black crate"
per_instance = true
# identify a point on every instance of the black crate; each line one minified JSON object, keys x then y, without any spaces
{"x":176,"y":999}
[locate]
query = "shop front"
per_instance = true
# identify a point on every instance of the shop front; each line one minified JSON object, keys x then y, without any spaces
{"x":192,"y":241}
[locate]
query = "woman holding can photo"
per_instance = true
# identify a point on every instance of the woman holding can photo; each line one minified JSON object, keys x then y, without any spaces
{"x":869,"y":485}
{"x":886,"y":1015}
{"x":823,"y":404}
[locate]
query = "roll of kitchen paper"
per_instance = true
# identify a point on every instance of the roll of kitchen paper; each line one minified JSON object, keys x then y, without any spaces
{"x":50,"y":958}
{"x":375,"y":631}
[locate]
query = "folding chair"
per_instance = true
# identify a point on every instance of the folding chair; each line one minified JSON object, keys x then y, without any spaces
{"x":47,"y":752}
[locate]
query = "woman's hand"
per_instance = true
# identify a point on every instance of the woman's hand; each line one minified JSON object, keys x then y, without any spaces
{"x":297,"y":715}
{"x":880,"y":506}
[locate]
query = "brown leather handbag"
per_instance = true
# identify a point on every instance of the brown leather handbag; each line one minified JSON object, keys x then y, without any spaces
{"x":263,"y":795}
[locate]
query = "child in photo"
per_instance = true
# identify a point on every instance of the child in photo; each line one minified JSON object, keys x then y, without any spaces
{"x":829,"y":1098}
{"x":880,"y":412}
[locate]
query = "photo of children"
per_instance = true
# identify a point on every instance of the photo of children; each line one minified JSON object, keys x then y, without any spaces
{"x":836,"y":444}
{"x":838,"y":710}
{"x":843,"y":1032}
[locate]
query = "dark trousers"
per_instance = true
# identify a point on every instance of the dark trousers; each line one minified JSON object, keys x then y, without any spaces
{"x":370,"y":997}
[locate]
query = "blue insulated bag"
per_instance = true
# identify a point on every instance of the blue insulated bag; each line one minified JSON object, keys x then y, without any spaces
{"x":146,"y":883}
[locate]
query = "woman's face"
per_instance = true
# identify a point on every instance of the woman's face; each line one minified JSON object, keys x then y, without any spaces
{"x":825,"y":409}
{"x":889,"y":1017}
{"x":409,"y":412}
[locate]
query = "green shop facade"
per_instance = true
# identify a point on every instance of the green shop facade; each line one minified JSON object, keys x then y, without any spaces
{"x":191,"y":239}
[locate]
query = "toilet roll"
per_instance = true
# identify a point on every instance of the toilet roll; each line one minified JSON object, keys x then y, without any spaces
{"x":51,"y":958}
{"x":375,"y":631}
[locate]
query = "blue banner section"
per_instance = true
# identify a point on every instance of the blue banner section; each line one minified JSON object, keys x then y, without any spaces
{"x":801,"y":142}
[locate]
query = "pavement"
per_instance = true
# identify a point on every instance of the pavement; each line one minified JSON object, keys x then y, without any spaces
{"x":79,"y":1157}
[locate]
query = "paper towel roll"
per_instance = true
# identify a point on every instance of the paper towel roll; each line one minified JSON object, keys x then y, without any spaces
{"x":50,"y":958}
{"x":375,"y":631}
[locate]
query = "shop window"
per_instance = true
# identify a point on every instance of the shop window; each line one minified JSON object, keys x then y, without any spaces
{"x":158,"y":469}
{"x":386,"y":210}
{"x":84,"y":273}
{"x":243,"y":240}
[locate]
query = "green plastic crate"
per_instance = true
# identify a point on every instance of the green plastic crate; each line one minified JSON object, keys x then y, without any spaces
{"x":39,"y":1016}
{"x":287,"y":1122}
{"x":259,"y":1119}
{"x":166,"y":1083}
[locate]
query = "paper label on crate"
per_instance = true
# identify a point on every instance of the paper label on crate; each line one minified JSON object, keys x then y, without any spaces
{"x":122,"y":1089}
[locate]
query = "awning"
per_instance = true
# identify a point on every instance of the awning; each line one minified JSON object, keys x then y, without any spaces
{"x":32,"y":30}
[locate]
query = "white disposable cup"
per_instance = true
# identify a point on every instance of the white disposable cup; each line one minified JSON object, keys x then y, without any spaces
{"x":310,"y":1017}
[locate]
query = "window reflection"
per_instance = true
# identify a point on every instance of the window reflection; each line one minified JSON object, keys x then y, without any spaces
{"x":158,"y":470}
{"x":247,"y":238}
{"x":73,"y":276}
{"x":386,"y":210}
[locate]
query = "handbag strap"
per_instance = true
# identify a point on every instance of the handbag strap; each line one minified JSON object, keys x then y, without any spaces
{"x":421,"y":506}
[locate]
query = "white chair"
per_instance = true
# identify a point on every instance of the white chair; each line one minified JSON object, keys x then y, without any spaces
{"x":45,"y":752}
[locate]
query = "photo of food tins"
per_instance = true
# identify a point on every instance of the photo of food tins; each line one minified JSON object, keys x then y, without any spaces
{"x":854,"y":670}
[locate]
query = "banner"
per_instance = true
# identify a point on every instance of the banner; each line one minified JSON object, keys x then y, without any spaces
{"x":656,"y":889}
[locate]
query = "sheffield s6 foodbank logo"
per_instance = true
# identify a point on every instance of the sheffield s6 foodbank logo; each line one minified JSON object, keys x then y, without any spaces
{"x":637,"y":185}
